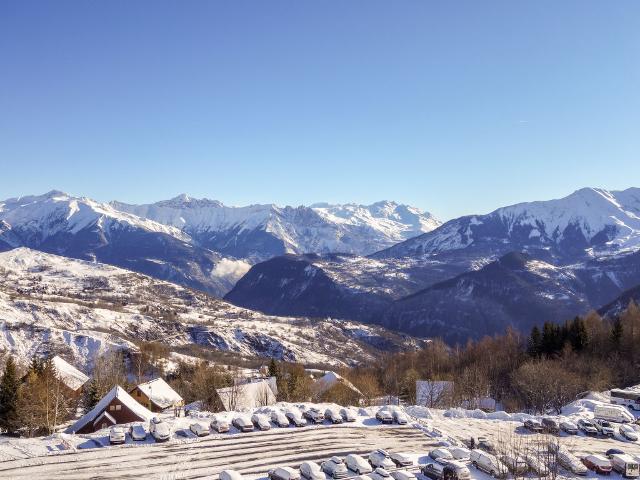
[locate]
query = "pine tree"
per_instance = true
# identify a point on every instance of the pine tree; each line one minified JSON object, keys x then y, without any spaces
{"x":534,"y":345}
{"x":9,"y":398}
{"x":273,"y":368}
{"x":92,"y":396}
{"x":617,"y":330}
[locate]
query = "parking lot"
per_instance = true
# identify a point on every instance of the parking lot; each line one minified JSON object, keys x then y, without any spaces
{"x":252,"y":454}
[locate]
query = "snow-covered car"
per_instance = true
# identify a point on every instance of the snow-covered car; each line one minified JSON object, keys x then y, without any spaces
{"x":138,"y":432}
{"x":402,"y":475}
{"x":159,"y":429}
{"x":488,"y":463}
{"x":569,"y":461}
{"x":243,"y":423}
{"x":380,"y":474}
{"x":569,"y":427}
{"x":613,"y":451}
{"x":230,"y":475}
{"x":314,"y":415}
{"x":220,"y":425}
{"x":357,"y":464}
{"x":384,"y":415}
{"x":628,"y":432}
{"x":550,"y":425}
{"x":399,"y":417}
{"x":451,"y":470}
{"x":279,"y":418}
{"x":460,"y":453}
{"x":516,"y":464}
{"x":295,"y":417}
{"x":604,"y":427}
{"x":117,"y":435}
{"x":199,"y":429}
{"x":334,"y":467}
{"x":283,"y":473}
{"x":443,"y":453}
{"x":537,"y":465}
{"x":261,"y":422}
{"x":311,"y":471}
{"x":533,"y":425}
{"x":333,"y":415}
{"x":482,"y":443}
{"x":347,"y":415}
{"x":587,"y":427}
{"x":381,"y":459}
{"x":401,"y":459}
{"x":598,"y":463}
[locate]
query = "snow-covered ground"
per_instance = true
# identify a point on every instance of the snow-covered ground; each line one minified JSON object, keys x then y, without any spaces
{"x":253,"y":454}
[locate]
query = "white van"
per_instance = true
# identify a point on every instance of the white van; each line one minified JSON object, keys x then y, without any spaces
{"x":613,"y":413}
{"x":626,"y":465}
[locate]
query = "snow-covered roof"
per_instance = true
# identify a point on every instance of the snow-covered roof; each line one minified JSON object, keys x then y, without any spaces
{"x":329,"y":379}
{"x":68,"y":374}
{"x":160,"y":393}
{"x":248,"y":395}
{"x":122,"y":395}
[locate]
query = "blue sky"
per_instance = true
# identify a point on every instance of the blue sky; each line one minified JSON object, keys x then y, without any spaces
{"x":456,"y":107}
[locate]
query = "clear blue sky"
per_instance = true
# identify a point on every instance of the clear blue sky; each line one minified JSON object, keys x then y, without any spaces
{"x":453,"y":106}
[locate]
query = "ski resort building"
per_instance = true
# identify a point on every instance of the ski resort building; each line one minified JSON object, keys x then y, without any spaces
{"x":114,"y":408}
{"x":69,"y":375}
{"x":157,"y":395}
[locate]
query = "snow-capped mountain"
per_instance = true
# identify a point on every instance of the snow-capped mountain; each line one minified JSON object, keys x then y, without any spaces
{"x":589,"y":222}
{"x":589,"y":241}
{"x":259,"y":232}
{"x":82,"y":228}
{"x":53,"y":304}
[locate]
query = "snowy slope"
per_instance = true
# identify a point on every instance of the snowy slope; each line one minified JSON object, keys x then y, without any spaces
{"x":262,"y":231}
{"x":57,"y":305}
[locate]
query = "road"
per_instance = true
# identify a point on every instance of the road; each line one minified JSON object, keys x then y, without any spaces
{"x":252,"y":454}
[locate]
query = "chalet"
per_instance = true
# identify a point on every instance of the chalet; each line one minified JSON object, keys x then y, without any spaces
{"x":114,"y":408}
{"x":331,"y":385}
{"x":253,"y":394}
{"x":157,"y":395}
{"x":69,"y":375}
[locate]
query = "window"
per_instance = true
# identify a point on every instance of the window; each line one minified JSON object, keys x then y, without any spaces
{"x":112,"y":408}
{"x":118,"y":408}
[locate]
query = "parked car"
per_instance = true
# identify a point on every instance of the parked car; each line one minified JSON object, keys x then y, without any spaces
{"x":283,"y":473}
{"x":537,"y":465}
{"x":380,"y":474}
{"x":515,"y":464}
{"x":137,"y":432}
{"x":220,"y":425}
{"x":230,"y":475}
{"x":587,"y":427}
{"x":295,"y":418}
{"x":402,"y":475}
{"x":279,"y":418}
{"x":437,"y":453}
{"x":488,"y":463}
{"x":199,"y":429}
{"x":261,"y":422}
{"x":613,"y":451}
{"x":159,"y":430}
{"x":399,"y":417}
{"x":451,"y":470}
{"x":347,"y":415}
{"x":357,"y":464}
{"x":598,"y":463}
{"x":460,"y":453}
{"x":117,"y":435}
{"x":384,"y":415}
{"x":604,"y":427}
{"x":333,"y":415}
{"x":380,"y":458}
{"x":628,"y":432}
{"x":334,"y":467}
{"x":533,"y":425}
{"x":482,"y":443}
{"x":401,"y":459}
{"x":550,"y":425}
{"x":243,"y":423}
{"x":625,"y":465}
{"x":613,"y":413}
{"x":567,"y":460}
{"x":313,"y":415}
{"x":569,"y":427}
{"x":311,"y":471}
